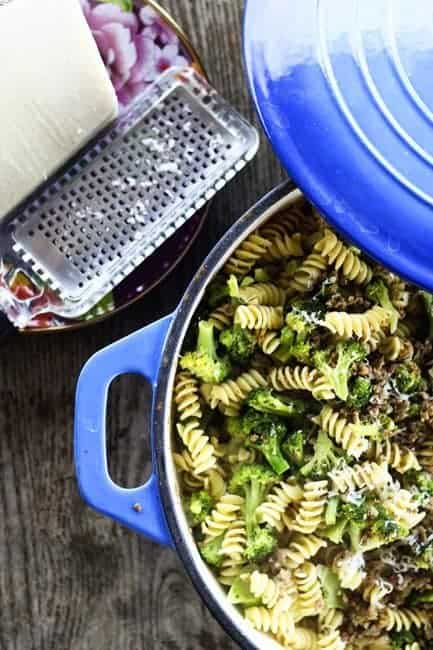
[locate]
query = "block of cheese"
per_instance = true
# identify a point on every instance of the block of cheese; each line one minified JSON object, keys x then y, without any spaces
{"x":55,"y":92}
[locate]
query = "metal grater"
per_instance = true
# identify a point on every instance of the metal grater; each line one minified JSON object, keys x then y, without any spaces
{"x":174,"y":148}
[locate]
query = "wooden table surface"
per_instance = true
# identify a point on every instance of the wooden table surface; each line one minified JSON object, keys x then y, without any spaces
{"x":69,"y":578}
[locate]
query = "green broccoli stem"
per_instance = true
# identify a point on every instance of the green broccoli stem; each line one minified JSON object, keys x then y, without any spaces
{"x":206,"y":339}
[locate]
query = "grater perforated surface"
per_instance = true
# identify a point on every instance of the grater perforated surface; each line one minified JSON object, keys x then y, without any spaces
{"x":174,"y":148}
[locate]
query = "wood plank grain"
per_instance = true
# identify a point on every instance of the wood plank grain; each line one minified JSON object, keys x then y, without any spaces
{"x":70,"y":579}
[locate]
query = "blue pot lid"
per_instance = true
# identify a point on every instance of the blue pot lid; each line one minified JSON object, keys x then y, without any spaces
{"x":344,"y":89}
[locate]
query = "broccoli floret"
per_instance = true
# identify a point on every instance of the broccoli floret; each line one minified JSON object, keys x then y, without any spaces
{"x":331,"y":588}
{"x":211,"y":551}
{"x":240,"y":594}
{"x":266,"y":433}
{"x":264,"y":401}
{"x":414,"y":411}
{"x":261,"y":543}
{"x":423,"y":481}
{"x":400,"y":640}
{"x":384,"y":529}
{"x":347,"y":355}
{"x":240,"y":344}
{"x":326,"y":456}
{"x":253,"y":482}
{"x":423,"y":597}
{"x":350,"y":519}
{"x":428,"y":304}
{"x":217,"y":292}
{"x":198,"y":507}
{"x":204,"y":362}
{"x":293,"y":448}
{"x":378,"y":292}
{"x":262,"y":275}
{"x":424,"y":557}
{"x":235,"y":427}
{"x":360,"y":393}
{"x":294,"y":339}
{"x":408,"y":378}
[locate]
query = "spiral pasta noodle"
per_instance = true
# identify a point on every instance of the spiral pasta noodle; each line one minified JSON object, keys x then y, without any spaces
{"x":222,"y":316}
{"x":403,"y":506}
{"x":185,"y":467}
{"x":301,"y":378}
{"x":374,"y":593}
{"x":269,"y":341}
{"x":369,"y":475}
{"x":341,"y":257}
{"x":425,"y":455}
{"x":198,"y":445}
{"x":363,"y":326}
{"x":311,"y":508}
{"x":300,"y":549}
{"x":310,"y":600}
{"x":399,"y":458}
{"x":270,"y":620}
{"x":222,"y":517}
{"x":248,"y":254}
{"x":233,"y":567}
{"x":330,"y":619}
{"x":186,"y":396}
{"x":308,"y":274}
{"x":264,"y":588}
{"x":235,"y":391}
{"x":395,"y":348}
{"x":346,"y":434}
{"x":235,"y":540}
{"x":331,"y":641}
{"x":403,"y":619}
{"x":257,"y":317}
{"x":264,"y":293}
{"x":302,"y":638}
{"x":284,"y":243}
{"x":272,"y":509}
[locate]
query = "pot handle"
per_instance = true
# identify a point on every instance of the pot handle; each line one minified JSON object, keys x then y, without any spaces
{"x":139,"y":508}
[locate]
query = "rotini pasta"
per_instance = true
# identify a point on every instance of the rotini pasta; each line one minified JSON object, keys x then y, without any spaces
{"x":264,"y":588}
{"x":256,"y":317}
{"x":269,"y":341}
{"x":284,"y":243}
{"x":248,"y":254}
{"x":311,"y":508}
{"x":300,"y":549}
{"x":186,"y":396}
{"x":197,"y":443}
{"x":330,"y":619}
{"x":265,"y":293}
{"x":399,"y":458}
{"x":308,"y":274}
{"x":362,"y":326}
{"x":310,"y":499}
{"x":301,"y":378}
{"x":366,"y":475}
{"x":270,"y":620}
{"x":403,"y":619}
{"x":345,"y":433}
{"x":271,"y":511}
{"x":222,"y":316}
{"x":310,"y":600}
{"x":234,"y":391}
{"x":226,"y":512}
{"x":343,"y":258}
{"x":331,"y":641}
{"x":404,"y":507}
{"x":394,"y":348}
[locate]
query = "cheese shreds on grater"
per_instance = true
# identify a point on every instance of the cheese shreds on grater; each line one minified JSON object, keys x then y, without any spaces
{"x":126,"y":192}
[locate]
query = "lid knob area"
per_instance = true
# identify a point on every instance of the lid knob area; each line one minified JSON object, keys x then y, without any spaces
{"x":344,"y":92}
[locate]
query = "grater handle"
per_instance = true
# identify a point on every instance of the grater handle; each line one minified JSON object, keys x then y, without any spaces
{"x":139,"y":508}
